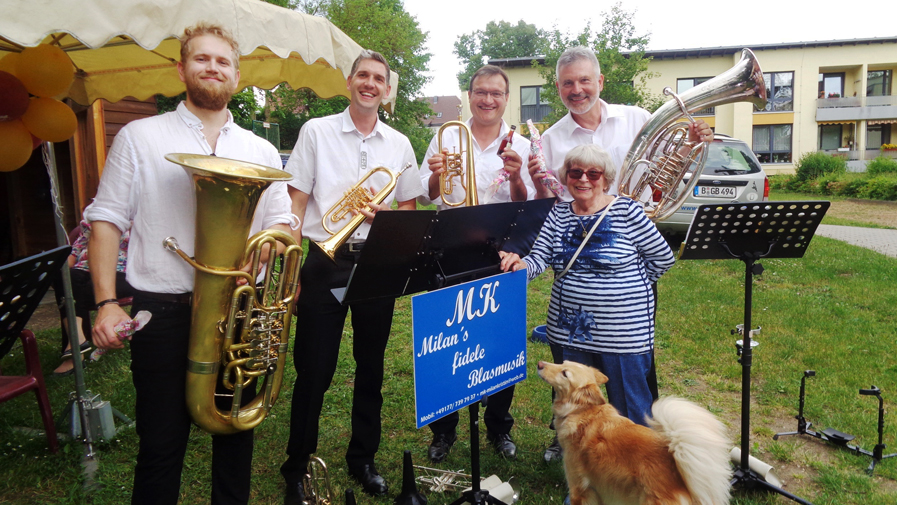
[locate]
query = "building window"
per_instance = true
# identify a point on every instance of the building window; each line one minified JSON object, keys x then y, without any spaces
{"x":829,"y":137}
{"x":831,"y":85}
{"x":683,"y":85}
{"x":779,"y":91}
{"x":532,"y":105}
{"x":435,"y":99}
{"x":438,"y":114}
{"x":878,"y":83}
{"x":878,"y":134}
{"x":772,"y":143}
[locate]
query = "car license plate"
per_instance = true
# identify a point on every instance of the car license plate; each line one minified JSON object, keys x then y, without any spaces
{"x":716,"y":191}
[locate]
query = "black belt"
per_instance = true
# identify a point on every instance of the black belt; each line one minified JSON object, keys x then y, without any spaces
{"x":351,"y":247}
{"x":181,"y":298}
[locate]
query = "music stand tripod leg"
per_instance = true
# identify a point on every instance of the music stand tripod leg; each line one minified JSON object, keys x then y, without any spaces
{"x":475,"y":495}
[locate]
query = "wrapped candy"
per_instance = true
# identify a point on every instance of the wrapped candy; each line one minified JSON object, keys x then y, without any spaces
{"x":125,"y":330}
{"x":550,"y":181}
{"x":503,"y":175}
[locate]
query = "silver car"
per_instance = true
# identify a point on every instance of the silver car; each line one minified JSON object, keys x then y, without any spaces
{"x":731,"y":174}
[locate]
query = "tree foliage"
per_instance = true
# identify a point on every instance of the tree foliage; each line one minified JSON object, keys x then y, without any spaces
{"x":384,"y":26}
{"x":499,"y":40}
{"x":621,"y":53}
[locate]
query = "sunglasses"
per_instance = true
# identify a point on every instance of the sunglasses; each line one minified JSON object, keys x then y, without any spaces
{"x":576,"y":174}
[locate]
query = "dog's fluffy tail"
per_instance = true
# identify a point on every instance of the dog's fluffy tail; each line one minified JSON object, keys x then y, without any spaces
{"x":699,"y":445}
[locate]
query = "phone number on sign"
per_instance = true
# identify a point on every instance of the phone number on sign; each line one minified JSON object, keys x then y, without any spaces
{"x":455,"y":405}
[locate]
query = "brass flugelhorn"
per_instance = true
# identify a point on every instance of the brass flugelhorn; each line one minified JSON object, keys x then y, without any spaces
{"x":237,"y":333}
{"x":353,"y":200}
{"x":455,"y":167}
{"x":317,"y":483}
{"x":661,"y":154}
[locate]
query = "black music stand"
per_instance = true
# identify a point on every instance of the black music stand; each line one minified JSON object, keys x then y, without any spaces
{"x":419,"y":250}
{"x":749,"y":232}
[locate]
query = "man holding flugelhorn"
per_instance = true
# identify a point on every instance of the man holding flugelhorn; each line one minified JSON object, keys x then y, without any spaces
{"x":139,"y":186}
{"x":498,"y":158}
{"x":331,"y":155}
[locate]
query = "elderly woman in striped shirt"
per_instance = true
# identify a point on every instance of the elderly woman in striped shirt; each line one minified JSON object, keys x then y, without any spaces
{"x":605,"y":254}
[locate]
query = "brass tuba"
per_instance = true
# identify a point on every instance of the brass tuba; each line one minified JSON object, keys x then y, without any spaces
{"x":237,"y":333}
{"x":661,"y":153}
{"x":353,"y":200}
{"x":454,"y":167}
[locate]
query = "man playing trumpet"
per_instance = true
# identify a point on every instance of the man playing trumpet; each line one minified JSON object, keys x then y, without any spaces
{"x":331,"y":155}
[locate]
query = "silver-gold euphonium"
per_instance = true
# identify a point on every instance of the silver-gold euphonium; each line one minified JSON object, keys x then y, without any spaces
{"x":458,"y":165}
{"x":353,"y":200}
{"x":238,"y":334}
{"x":661,"y":154}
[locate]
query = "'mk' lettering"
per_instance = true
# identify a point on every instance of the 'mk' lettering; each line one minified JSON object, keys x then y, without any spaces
{"x":464,"y":306}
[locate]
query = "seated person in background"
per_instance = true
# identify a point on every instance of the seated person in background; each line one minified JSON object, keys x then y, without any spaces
{"x":82,"y":292}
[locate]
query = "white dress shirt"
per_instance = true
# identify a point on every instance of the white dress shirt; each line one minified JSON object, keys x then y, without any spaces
{"x":618,"y":128}
{"x":487,"y":165}
{"x":140,"y":190}
{"x":331,"y":156}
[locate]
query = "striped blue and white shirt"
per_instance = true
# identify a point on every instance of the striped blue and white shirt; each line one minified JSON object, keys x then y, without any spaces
{"x":604,"y":303}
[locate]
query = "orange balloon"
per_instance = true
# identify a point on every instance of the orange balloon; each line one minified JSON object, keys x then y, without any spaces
{"x":16,"y":146}
{"x":45,"y":70}
{"x":8,"y":63}
{"x":49,"y":119}
{"x":13,"y":97}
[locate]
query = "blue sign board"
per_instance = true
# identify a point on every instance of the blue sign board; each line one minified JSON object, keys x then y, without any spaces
{"x":469,"y":342}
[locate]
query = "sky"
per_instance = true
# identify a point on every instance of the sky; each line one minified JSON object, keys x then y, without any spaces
{"x":672,"y":25}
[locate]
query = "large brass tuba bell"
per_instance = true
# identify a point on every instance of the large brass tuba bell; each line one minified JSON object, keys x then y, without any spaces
{"x":237,"y":334}
{"x":353,"y":200}
{"x":455,"y":167}
{"x":661,"y":153}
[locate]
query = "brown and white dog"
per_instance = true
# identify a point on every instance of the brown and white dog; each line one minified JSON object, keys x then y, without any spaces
{"x":682,"y":459}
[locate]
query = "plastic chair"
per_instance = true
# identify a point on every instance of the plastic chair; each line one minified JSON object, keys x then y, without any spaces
{"x":22,"y":286}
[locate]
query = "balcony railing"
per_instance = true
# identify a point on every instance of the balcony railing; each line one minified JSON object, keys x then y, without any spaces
{"x":856,"y":101}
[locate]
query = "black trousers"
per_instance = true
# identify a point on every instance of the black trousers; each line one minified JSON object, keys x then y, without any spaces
{"x":319,"y":329}
{"x":497,"y":417}
{"x":158,"y":366}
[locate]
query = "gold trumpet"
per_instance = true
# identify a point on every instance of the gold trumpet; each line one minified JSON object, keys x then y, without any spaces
{"x":355,"y":199}
{"x":454,"y":167}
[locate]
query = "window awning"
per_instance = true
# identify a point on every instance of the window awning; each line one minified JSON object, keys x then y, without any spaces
{"x":882,"y":121}
{"x":837,"y":122}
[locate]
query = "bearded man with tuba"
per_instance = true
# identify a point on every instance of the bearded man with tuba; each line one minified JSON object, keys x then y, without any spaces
{"x":139,"y":186}
{"x":331,"y":156}
{"x":591,"y":120}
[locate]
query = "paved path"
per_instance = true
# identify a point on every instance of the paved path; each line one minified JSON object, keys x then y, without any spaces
{"x":877,"y":239}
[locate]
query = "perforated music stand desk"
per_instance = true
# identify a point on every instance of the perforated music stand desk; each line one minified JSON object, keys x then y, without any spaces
{"x":749,"y":232}
{"x":411,"y":251}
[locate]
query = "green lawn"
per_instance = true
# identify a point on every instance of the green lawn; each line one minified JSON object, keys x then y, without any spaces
{"x":832,"y":311}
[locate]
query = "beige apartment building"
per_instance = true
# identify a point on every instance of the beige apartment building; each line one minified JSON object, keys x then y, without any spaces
{"x":833,"y":96}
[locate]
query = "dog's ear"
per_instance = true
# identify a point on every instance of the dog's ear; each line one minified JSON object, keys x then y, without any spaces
{"x":600,"y":378}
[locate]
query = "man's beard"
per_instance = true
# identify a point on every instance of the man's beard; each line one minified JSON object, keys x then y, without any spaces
{"x":582,"y":109}
{"x":210,"y":96}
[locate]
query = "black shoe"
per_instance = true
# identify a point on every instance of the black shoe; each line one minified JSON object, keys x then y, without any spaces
{"x":503,"y":444}
{"x":554,"y":451}
{"x":296,"y":494}
{"x":441,"y":445}
{"x":371,"y":481}
{"x":67,"y":354}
